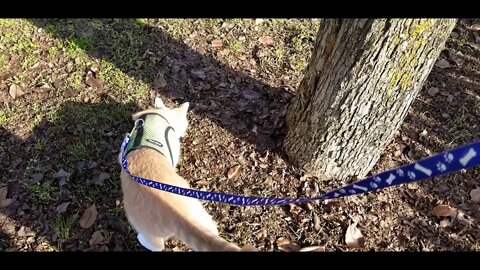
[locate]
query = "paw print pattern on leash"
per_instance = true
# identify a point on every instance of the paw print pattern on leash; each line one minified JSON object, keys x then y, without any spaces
{"x":441,"y":167}
{"x":448,"y":157}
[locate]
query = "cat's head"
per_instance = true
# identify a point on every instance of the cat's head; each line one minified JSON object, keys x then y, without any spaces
{"x":177,"y":117}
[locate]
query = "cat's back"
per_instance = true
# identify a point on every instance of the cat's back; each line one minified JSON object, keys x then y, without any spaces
{"x":143,"y":203}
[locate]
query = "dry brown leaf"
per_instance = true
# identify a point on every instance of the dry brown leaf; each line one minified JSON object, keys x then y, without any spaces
{"x":159,"y":82}
{"x":441,"y":188}
{"x":475,"y":27}
{"x":30,"y":240}
{"x":403,"y":240}
{"x":353,"y":237}
{"x":202,"y":183}
{"x":459,"y":62}
{"x":443,"y":210}
{"x":223,"y":52}
{"x":251,"y":94}
{"x":442,"y":64}
{"x":445,"y":223}
{"x":449,"y":98}
{"x":464,"y":219}
{"x":432,"y":91}
{"x":61,"y":173}
{"x":295,"y":209}
{"x":89,"y":216}
{"x":21,"y":232}
{"x":4,"y":202}
{"x":217,"y":43}
{"x":91,"y":79}
{"x":313,"y":249}
{"x":62,"y":208}
{"x":316,"y":222}
{"x":99,"y":179}
{"x":92,"y":164}
{"x":477,"y":37}
{"x":198,"y":73}
{"x":266,"y":40}
{"x":177,"y":249}
{"x":262,"y":233}
{"x":36,"y":178}
{"x":287,"y":245}
{"x":234,"y":171}
{"x":306,"y":176}
{"x":97,"y":238}
{"x":64,"y":177}
{"x":263,"y":165}
{"x":3,"y":192}
{"x":15,"y":91}
{"x":228,"y":24}
{"x":475,"y":195}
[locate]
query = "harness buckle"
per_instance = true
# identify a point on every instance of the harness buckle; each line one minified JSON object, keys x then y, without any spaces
{"x":137,"y":124}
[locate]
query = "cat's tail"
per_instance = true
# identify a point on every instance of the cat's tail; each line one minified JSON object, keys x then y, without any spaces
{"x":200,"y":238}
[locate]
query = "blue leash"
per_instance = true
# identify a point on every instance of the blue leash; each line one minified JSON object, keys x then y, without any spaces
{"x":462,"y":157}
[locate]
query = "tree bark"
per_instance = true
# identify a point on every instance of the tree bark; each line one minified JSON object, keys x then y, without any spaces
{"x":359,"y":84}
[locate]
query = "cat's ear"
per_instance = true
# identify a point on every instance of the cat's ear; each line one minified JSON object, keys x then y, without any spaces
{"x":159,"y":103}
{"x":184,"y":108}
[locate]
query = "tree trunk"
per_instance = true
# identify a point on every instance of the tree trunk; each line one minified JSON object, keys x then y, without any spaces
{"x":359,"y":84}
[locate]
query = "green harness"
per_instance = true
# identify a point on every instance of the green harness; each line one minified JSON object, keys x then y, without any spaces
{"x":154,"y":131}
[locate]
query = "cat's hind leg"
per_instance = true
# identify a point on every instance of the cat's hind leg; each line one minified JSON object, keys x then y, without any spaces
{"x":151,"y":242}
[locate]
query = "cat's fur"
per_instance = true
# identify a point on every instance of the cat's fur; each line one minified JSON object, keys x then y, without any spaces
{"x":157,"y":215}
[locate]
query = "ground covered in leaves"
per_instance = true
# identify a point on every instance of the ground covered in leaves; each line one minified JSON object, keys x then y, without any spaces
{"x":67,"y":88}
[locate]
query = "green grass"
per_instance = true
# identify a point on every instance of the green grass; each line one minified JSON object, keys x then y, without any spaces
{"x":3,"y":63}
{"x":30,"y":60}
{"x":236,"y":46}
{"x":133,"y":90}
{"x":41,"y":193}
{"x":462,"y":38}
{"x":23,"y":45}
{"x":62,"y":226}
{"x":40,"y":145}
{"x":76,"y":81}
{"x":37,"y":119}
{"x":53,"y":117}
{"x":473,"y":66}
{"x":140,"y":21}
{"x":52,"y":52}
{"x":79,"y":150}
{"x":52,"y":29}
{"x":8,"y":113}
{"x":243,"y":233}
{"x":3,"y":118}
{"x":459,"y":131}
{"x":7,"y":23}
{"x":78,"y":45}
